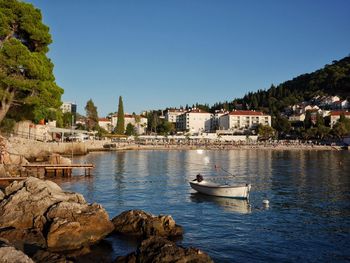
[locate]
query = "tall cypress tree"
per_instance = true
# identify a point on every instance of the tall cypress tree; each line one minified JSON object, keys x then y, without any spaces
{"x":120,"y":121}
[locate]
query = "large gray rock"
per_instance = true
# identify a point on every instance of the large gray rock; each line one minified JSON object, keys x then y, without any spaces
{"x":74,"y":225}
{"x":10,"y":254}
{"x":38,"y":212}
{"x":160,"y":250}
{"x":140,"y":223}
{"x":26,"y":203}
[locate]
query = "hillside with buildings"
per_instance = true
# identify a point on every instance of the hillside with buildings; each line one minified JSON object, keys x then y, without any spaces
{"x":331,"y":80}
{"x":311,"y":106}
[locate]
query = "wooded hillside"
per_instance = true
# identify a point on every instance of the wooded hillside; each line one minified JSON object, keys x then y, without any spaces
{"x":333,"y":79}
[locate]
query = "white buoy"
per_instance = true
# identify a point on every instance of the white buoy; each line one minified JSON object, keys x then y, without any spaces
{"x":266,"y":202}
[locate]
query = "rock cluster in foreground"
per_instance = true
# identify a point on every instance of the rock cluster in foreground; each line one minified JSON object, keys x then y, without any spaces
{"x":142,"y":224}
{"x":48,"y":224}
{"x":160,"y":250}
{"x":38,"y":214}
{"x":155,"y":247}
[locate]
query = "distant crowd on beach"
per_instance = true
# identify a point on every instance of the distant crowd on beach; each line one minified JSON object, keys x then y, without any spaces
{"x":281,"y":144}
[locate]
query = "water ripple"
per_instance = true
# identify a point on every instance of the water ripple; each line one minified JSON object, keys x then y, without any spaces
{"x":309,"y":193}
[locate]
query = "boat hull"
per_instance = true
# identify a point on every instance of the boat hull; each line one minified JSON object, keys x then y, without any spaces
{"x":241,"y":192}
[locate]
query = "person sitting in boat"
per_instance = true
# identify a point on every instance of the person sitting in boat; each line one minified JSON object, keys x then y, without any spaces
{"x":199,"y":178}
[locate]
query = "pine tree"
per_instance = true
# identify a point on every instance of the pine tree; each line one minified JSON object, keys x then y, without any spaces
{"x":27,"y":84}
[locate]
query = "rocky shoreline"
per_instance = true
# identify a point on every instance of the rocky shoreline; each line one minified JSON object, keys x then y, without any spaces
{"x":41,"y":222}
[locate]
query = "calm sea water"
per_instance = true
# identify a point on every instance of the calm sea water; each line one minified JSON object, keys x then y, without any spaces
{"x":308,"y":219}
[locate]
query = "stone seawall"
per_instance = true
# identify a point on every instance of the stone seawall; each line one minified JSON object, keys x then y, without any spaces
{"x":31,"y":149}
{"x":35,"y":149}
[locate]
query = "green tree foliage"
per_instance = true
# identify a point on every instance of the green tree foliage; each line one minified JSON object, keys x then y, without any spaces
{"x":165,"y":127}
{"x":265,"y":132}
{"x":319,"y":120}
{"x":153,"y":120}
{"x":281,"y":124}
{"x":342,"y":127}
{"x":27,"y":83}
{"x":307,"y":121}
{"x":67,"y":119}
{"x":91,"y":115}
{"x":344,"y":120}
{"x":204,"y":107}
{"x":7,"y":125}
{"x":323,"y":131}
{"x":130,"y":129}
{"x":121,"y":119}
{"x":339,"y":130}
{"x":310,"y":133}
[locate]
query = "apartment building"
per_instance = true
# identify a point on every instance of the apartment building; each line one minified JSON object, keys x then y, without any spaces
{"x":243,"y":120}
{"x":69,"y":107}
{"x":194,"y":121}
{"x":215,"y":122}
{"x":138,"y":121}
{"x":171,"y":114}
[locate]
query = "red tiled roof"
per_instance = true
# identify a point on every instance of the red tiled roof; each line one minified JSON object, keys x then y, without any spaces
{"x":338,"y":113}
{"x":196,"y":111}
{"x":104,"y":119}
{"x":175,"y":110}
{"x":339,"y":101}
{"x":246,"y":112}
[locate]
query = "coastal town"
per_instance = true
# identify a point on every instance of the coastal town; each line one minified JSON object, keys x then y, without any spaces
{"x":241,"y":168}
{"x":194,"y":123}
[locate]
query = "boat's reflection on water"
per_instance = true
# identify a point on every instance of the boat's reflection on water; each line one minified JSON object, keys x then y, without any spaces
{"x":228,"y":204}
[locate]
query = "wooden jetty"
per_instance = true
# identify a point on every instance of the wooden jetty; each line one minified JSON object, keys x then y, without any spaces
{"x":65,"y":169}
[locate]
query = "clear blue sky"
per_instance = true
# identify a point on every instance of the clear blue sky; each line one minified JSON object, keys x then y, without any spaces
{"x":162,"y":53}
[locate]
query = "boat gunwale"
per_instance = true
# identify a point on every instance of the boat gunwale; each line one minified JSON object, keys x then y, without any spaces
{"x":219,"y":186}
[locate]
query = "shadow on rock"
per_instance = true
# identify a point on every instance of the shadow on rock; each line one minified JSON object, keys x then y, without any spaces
{"x":158,"y":249}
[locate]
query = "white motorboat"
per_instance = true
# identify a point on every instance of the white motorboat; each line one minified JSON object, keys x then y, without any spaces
{"x":210,"y":188}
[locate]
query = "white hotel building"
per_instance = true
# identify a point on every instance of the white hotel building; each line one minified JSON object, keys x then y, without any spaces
{"x":243,"y":120}
{"x":138,"y":121}
{"x":194,"y":121}
{"x":171,"y":114}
